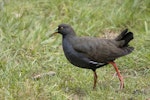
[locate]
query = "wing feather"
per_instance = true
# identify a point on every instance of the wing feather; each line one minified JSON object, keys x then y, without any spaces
{"x":100,"y":50}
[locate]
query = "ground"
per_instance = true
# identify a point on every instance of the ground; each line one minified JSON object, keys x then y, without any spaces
{"x":26,"y":50}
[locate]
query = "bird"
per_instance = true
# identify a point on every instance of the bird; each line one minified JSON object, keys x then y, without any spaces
{"x":94,"y":52}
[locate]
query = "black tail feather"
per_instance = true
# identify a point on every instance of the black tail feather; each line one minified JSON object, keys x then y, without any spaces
{"x":123,"y":33}
{"x":126,"y":36}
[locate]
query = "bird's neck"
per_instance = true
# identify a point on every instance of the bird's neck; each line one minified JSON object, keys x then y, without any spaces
{"x":69,"y":39}
{"x":69,"y":36}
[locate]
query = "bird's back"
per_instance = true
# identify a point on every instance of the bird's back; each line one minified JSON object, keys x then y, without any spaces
{"x":100,"y":50}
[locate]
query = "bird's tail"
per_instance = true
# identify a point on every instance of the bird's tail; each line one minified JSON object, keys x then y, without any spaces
{"x":126,"y":36}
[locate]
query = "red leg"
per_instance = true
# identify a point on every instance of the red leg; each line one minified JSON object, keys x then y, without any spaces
{"x":95,"y":79}
{"x":119,"y":75}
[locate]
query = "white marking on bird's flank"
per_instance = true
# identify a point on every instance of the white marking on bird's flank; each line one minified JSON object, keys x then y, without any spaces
{"x":96,"y":63}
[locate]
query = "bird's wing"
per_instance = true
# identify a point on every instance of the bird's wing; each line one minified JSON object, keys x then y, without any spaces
{"x":100,"y":50}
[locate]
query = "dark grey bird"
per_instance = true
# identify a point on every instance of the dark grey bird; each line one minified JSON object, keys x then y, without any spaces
{"x":91,"y":52}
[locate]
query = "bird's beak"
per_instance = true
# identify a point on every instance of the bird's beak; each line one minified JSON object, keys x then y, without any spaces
{"x":53,"y":34}
{"x":56,"y":31}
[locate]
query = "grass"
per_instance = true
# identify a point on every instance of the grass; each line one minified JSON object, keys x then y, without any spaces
{"x":26,"y":50}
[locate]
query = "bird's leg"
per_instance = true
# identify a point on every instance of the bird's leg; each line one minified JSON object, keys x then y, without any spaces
{"x":95,"y":79}
{"x":119,"y":75}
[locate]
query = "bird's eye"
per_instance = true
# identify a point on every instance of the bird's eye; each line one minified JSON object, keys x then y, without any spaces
{"x":61,"y":27}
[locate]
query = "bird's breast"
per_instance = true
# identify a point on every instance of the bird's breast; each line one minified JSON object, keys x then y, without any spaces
{"x":74,"y":57}
{"x":69,"y":51}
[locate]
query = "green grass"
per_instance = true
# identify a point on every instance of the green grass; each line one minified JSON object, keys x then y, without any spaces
{"x":26,"y":49}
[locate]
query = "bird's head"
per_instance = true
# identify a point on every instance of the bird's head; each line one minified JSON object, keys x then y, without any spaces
{"x":64,"y":29}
